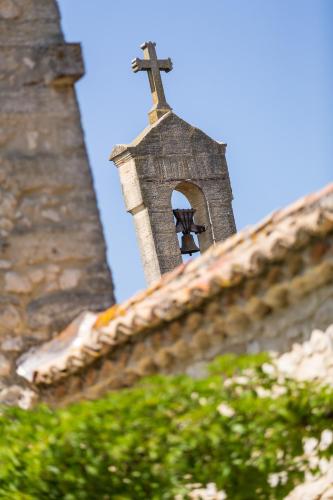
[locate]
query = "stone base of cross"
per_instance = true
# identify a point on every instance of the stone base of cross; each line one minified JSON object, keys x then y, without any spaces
{"x":155,"y":114}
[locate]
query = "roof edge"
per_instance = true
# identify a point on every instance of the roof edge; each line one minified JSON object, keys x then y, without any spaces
{"x":221,"y":267}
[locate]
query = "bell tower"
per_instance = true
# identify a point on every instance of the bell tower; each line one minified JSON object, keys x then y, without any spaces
{"x":172,"y":155}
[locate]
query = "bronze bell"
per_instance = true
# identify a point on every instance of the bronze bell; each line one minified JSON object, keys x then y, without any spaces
{"x":186,"y":225}
{"x":188,"y":245}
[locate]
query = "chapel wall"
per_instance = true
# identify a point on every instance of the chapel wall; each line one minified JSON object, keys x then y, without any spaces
{"x":272,"y":311}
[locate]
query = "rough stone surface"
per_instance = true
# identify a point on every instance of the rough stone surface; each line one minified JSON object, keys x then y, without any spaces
{"x":70,"y":278}
{"x":9,"y":10}
{"x":4,"y":366}
{"x":13,"y":344}
{"x":168,"y":156}
{"x":15,"y":395}
{"x":17,"y":283}
{"x":10,"y":318}
{"x":51,"y":241}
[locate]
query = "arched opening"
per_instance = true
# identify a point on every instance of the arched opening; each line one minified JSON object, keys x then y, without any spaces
{"x":187,"y":195}
{"x":179,"y":200}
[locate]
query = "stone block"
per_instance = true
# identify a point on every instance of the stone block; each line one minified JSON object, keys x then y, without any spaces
{"x":34,"y":32}
{"x":42,"y":99}
{"x":12,"y":344}
{"x":47,"y":172}
{"x":57,"y":309}
{"x":69,"y":278}
{"x":29,"y":22}
{"x":57,"y":64}
{"x":56,"y":245}
{"x":17,"y":283}
{"x":30,"y":10}
{"x":10,"y":318}
{"x":38,"y":134}
{"x":15,"y":395}
{"x":5,"y":264}
{"x":5,"y":366}
{"x":9,"y":10}
{"x":130,"y":186}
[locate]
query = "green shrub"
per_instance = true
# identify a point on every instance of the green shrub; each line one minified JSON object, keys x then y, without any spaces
{"x":148,"y":442}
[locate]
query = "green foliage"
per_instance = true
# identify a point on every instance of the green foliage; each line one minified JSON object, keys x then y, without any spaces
{"x":148,"y":442}
{"x":231,"y":364}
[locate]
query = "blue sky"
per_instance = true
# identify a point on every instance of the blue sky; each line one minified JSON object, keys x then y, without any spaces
{"x":256,"y":74}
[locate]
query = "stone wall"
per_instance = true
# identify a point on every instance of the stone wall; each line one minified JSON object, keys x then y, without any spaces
{"x":290,"y":298}
{"x":52,"y":261}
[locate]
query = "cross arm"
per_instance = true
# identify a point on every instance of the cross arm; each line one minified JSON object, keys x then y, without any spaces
{"x":165,"y":64}
{"x":140,"y":65}
{"x":145,"y":65}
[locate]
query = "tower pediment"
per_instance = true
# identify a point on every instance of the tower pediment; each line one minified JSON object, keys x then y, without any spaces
{"x":169,"y":135}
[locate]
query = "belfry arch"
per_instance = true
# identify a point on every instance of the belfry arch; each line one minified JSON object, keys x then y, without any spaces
{"x":198,"y":202}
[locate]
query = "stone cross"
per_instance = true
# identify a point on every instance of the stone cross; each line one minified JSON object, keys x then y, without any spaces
{"x":153,"y":66}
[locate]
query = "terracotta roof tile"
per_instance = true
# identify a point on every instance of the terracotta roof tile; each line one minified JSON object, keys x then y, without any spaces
{"x":222,"y":266}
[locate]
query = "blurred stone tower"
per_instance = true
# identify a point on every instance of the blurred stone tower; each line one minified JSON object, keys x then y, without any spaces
{"x":172,"y":155}
{"x":52,"y":262}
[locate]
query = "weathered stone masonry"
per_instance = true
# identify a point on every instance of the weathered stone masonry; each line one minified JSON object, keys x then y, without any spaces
{"x":173,"y":155}
{"x":52,"y":262}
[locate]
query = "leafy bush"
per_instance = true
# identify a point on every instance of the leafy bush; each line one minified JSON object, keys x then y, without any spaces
{"x":148,"y":442}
